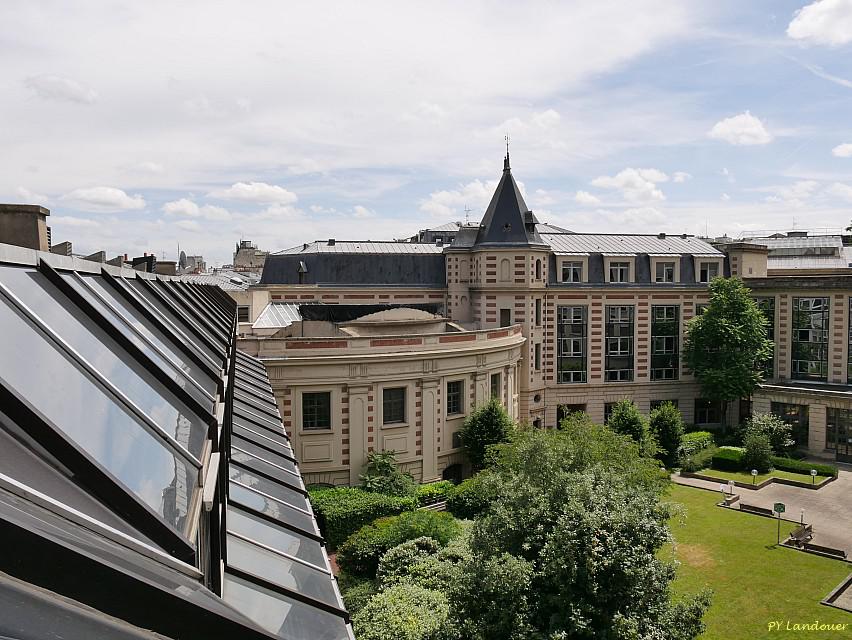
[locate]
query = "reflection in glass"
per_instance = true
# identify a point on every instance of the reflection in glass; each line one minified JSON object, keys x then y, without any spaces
{"x":84,"y":412}
{"x":273,"y":508}
{"x":264,"y":454}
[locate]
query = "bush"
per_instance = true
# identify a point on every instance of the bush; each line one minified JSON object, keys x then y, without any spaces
{"x":434,"y":492}
{"x":696,"y":441}
{"x":361,"y":552}
{"x":758,"y":451}
{"x":780,"y":433}
{"x":699,"y":460}
{"x":396,"y":563}
{"x":728,"y":459}
{"x":666,"y":424}
{"x":383,"y":476}
{"x":798,"y":466}
{"x":342,"y":511}
{"x":403,"y":612}
{"x":486,"y":426}
{"x":358,"y":595}
{"x":469,"y":499}
{"x":626,"y":419}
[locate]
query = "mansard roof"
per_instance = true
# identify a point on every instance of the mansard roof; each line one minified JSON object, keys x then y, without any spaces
{"x":508,"y":221}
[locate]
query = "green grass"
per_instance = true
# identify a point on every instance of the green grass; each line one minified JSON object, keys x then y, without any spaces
{"x":745,"y":476}
{"x":753,"y":581}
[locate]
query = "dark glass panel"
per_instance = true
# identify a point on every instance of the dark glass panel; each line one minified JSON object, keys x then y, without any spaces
{"x":272,"y":535}
{"x":264,"y":454}
{"x":84,"y":412}
{"x":285,"y":493}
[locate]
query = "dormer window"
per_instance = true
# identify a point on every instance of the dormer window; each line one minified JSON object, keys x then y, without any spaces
{"x":572,"y":271}
{"x":619,"y":272}
{"x":665,"y":272}
{"x":707,"y":271}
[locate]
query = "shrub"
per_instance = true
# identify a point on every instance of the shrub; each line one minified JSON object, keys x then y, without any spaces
{"x":342,"y":511}
{"x":403,"y":612}
{"x":696,"y":441}
{"x":798,"y":466}
{"x":383,"y":476}
{"x":699,"y":460}
{"x":469,"y":499}
{"x":434,"y":492}
{"x":396,"y":563}
{"x":758,"y":451}
{"x":666,"y":424}
{"x":358,"y":595}
{"x":486,"y":426}
{"x":361,"y":552}
{"x":728,"y":459}
{"x":780,"y":433}
{"x":626,"y":419}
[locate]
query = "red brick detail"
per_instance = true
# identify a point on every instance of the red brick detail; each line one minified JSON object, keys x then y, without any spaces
{"x":319,"y":344}
{"x":395,"y":342}
{"x":459,"y":338}
{"x":358,"y":296}
{"x":498,"y":334}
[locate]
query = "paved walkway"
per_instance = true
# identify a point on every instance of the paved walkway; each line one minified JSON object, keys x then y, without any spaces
{"x":829,"y":509}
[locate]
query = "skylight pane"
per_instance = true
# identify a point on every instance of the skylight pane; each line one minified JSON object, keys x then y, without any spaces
{"x":279,"y":538}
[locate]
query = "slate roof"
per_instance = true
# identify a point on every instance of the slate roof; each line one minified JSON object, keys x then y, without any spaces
{"x":797,"y":242}
{"x":360,"y":266}
{"x":277,"y":315}
{"x":508,"y":221}
{"x":363,"y":247}
{"x":624,"y":244}
{"x":143,"y":455}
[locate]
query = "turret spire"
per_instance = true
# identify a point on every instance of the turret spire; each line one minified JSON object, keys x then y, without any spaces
{"x":506,"y":166}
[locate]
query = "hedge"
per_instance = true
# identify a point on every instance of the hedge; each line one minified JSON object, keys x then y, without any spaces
{"x":403,"y":612}
{"x":342,"y":511}
{"x":699,"y":460}
{"x":434,"y":492}
{"x":468,"y":499}
{"x":798,"y":466}
{"x":361,"y":552}
{"x":728,"y":459}
{"x":693,"y":442}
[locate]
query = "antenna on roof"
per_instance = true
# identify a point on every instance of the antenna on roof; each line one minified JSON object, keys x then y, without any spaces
{"x":506,"y":161}
{"x":467,"y":211}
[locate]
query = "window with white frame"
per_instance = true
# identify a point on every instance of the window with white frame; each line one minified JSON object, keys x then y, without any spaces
{"x":571,"y":330}
{"x":316,"y":410}
{"x":455,"y":397}
{"x":707,"y":271}
{"x":665,"y":272}
{"x":393,"y":405}
{"x":619,"y":272}
{"x":572,"y":271}
{"x":619,"y":344}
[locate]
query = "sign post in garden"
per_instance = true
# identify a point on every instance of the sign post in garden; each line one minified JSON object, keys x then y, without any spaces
{"x":779,"y":508}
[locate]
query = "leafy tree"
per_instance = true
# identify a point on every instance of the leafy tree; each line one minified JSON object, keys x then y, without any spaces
{"x":727,"y":344}
{"x":666,"y":424}
{"x":484,"y":427}
{"x":626,"y":419}
{"x":758,"y":451}
{"x":402,"y":612}
{"x":383,"y":476}
{"x":780,"y":433}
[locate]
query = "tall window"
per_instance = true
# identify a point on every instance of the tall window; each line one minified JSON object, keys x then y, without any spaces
{"x":608,"y":407}
{"x":838,"y":431}
{"x":767,"y":306}
{"x":242,"y":314}
{"x":665,"y":272}
{"x":537,"y":357}
{"x":538,"y":269}
{"x":572,"y":272}
{"x":393,"y":405}
{"x":571,"y":329}
{"x":665,"y":332}
{"x":316,"y":410}
{"x":505,"y":317}
{"x":810,"y":338}
{"x":849,"y":356}
{"x":455,"y":399}
{"x":619,"y":344}
{"x":707,"y":271}
{"x":707,"y":411}
{"x":797,"y":416}
{"x":619,"y":272}
{"x":538,"y":312}
{"x":505,"y":270}
{"x":496,"y":386}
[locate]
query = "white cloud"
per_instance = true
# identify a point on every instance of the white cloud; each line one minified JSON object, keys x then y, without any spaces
{"x":103,"y":199}
{"x":149,"y":167}
{"x":742,"y":129}
{"x":186,"y":207}
{"x":842,"y":150}
{"x":641,"y":216}
{"x":51,"y":87}
{"x":584,"y":197}
{"x":636,"y":185}
{"x":450,"y":204}
{"x":792,"y":195}
{"x":259,"y":192}
{"x":681,"y":176}
{"x":71,"y":221}
{"x":724,"y":197}
{"x":824,"y":22}
{"x":30,"y":197}
{"x":188,"y":225}
{"x":363,"y":212}
{"x":841,"y":191}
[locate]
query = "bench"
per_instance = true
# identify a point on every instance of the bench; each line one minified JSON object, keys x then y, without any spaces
{"x":802,"y":534}
{"x":763,"y":511}
{"x":829,"y":551}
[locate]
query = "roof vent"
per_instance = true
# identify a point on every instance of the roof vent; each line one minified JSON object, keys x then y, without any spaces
{"x":439,"y":242}
{"x":683,"y":235}
{"x":304,"y":246}
{"x":303,"y":268}
{"x":661,"y":236}
{"x":331,"y":242}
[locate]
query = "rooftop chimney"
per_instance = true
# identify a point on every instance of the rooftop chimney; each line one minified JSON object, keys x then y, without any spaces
{"x":331,"y":242}
{"x":24,"y":225}
{"x":661,"y":236}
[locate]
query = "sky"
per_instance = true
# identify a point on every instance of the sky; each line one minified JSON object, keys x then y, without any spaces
{"x":144,"y":126}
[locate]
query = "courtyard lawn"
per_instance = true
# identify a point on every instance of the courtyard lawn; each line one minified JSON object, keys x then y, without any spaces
{"x":745,"y":476}
{"x":753,"y":581}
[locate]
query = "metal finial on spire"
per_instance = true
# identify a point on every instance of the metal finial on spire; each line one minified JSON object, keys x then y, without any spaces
{"x":506,"y":160}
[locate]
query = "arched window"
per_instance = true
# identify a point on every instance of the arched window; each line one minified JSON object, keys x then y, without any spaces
{"x":505,"y":269}
{"x":538,"y":269}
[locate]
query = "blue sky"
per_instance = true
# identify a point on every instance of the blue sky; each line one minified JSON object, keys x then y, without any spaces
{"x":147,"y":125}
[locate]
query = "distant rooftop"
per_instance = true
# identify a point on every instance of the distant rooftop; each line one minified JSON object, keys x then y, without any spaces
{"x":620,"y":244}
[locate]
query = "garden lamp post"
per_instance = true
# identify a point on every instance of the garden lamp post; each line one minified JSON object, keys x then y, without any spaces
{"x":753,"y":476}
{"x":722,"y":489}
{"x":802,"y":521}
{"x":813,"y":476}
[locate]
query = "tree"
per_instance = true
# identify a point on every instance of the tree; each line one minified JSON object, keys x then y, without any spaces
{"x":758,"y":451}
{"x":383,"y":476}
{"x":484,"y":427}
{"x":780,"y":433}
{"x":726,"y":346}
{"x":666,"y":424}
{"x":626,"y":419}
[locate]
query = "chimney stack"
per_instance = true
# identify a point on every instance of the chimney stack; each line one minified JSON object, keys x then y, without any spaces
{"x":24,"y":225}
